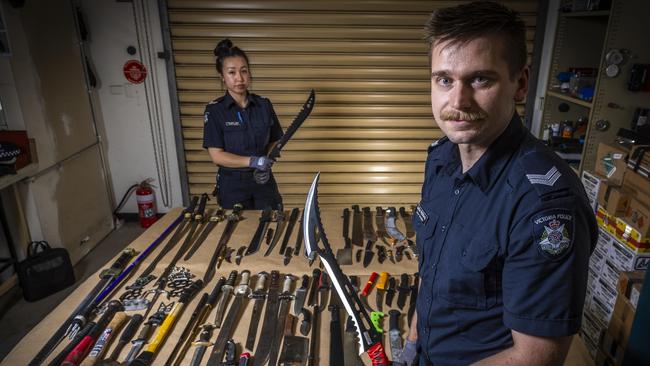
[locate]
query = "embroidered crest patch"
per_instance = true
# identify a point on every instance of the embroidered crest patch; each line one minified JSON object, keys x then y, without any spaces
{"x":553,"y":231}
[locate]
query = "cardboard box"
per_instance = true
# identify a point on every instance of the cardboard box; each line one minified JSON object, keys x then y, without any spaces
{"x":637,"y":215}
{"x":602,"y":359}
{"x":591,"y":328}
{"x":627,"y":280}
{"x":614,"y":199}
{"x":591,"y":345}
{"x":621,"y":255}
{"x":610,"y":274}
{"x":611,"y":162}
{"x":606,"y":293}
{"x":639,"y":159}
{"x":597,"y":260}
{"x":591,"y":182}
{"x":635,"y":293}
{"x":612,"y":348}
{"x":638,"y":185}
{"x":621,"y":322}
{"x":605,"y":220}
{"x":632,"y":237}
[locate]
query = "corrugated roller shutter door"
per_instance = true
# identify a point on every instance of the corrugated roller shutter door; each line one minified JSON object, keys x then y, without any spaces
{"x":367,"y":61}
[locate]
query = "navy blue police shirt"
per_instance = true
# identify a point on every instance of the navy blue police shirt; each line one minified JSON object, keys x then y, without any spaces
{"x":241,"y":131}
{"x":504,"y":246}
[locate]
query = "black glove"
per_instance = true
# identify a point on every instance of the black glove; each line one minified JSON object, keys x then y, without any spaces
{"x":262,"y":177}
{"x":262,"y":163}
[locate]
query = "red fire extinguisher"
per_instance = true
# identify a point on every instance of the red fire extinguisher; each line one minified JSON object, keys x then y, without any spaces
{"x":146,"y":199}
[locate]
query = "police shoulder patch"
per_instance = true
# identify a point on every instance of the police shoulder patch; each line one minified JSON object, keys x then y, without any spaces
{"x":206,"y":117}
{"x":553,"y":231}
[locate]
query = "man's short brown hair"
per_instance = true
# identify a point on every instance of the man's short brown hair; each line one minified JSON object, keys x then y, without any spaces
{"x":463,"y":23}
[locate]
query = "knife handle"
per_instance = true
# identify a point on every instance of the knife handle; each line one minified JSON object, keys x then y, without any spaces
{"x":404,"y":281}
{"x":346,"y":222}
{"x":286,"y":286}
{"x":381,"y":283}
{"x":305,"y":282}
{"x":232,"y":277}
{"x":323,"y":281}
{"x":394,"y":319}
{"x":377,"y":355}
{"x":261,"y":281}
{"x":371,"y":281}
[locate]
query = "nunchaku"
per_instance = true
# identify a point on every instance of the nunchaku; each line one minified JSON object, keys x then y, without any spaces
{"x":368,"y":338}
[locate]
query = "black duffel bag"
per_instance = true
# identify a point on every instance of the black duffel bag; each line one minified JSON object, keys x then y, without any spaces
{"x":46,"y":270}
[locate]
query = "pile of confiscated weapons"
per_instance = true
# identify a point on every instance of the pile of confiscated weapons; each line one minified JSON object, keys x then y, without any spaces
{"x":157,"y":298}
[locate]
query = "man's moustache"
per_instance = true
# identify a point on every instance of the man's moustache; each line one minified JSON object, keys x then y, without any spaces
{"x":462,"y":115}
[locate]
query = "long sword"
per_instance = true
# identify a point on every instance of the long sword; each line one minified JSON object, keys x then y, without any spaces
{"x":369,"y":339}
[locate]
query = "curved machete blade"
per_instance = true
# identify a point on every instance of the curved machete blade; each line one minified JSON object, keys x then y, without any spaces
{"x":313,"y":230}
{"x":305,"y":111}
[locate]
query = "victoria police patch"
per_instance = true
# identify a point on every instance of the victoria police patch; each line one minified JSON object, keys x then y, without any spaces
{"x":553,"y":232}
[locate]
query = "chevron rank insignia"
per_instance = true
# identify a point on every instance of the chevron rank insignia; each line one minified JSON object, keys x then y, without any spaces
{"x":553,"y":232}
{"x":547,"y":179}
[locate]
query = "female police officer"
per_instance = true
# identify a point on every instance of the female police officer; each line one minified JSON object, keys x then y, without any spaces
{"x":239,"y":129}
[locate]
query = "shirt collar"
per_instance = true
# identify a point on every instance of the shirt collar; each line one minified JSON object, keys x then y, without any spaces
{"x":230,"y":101}
{"x":486,"y":170}
{"x":491,"y":164}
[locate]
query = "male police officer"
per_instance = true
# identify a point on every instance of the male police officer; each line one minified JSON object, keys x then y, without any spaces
{"x":504,"y":226}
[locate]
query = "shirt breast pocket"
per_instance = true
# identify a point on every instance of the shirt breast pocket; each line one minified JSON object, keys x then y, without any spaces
{"x":235,"y":139}
{"x":262,"y":131}
{"x":475,"y":283}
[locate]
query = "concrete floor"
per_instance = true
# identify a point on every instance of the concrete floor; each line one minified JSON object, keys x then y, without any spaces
{"x":18,"y":317}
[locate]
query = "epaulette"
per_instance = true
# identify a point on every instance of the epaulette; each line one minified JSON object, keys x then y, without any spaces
{"x":545,"y":171}
{"x":216,"y":101}
{"x":437,"y":143}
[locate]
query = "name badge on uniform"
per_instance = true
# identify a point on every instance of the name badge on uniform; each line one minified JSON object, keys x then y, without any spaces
{"x":553,"y":230}
{"x":422,"y":215}
{"x":233,"y":123}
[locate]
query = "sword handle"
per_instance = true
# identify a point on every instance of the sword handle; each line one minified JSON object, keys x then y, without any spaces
{"x":199,"y":212}
{"x":232,"y":277}
{"x":381,"y":283}
{"x":237,"y":209}
{"x":261,"y":281}
{"x":368,"y":287}
{"x":242,"y":288}
{"x":190,"y":209}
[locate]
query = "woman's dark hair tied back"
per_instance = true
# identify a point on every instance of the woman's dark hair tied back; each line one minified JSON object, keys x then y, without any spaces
{"x":225,"y":49}
{"x":223,"y":46}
